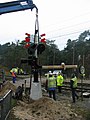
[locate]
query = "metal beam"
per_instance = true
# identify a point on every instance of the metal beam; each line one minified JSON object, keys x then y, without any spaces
{"x":15,"y":6}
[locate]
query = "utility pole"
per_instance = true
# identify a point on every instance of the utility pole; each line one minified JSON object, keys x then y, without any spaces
{"x":53,"y":53}
{"x":83,"y":59}
{"x":73,"y":52}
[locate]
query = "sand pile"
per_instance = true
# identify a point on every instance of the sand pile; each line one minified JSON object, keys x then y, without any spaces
{"x":45,"y":109}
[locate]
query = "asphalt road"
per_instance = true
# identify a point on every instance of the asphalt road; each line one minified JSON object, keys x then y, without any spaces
{"x":21,"y":80}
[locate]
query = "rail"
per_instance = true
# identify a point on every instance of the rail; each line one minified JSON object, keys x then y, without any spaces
{"x":86,"y":86}
{"x":66,"y":86}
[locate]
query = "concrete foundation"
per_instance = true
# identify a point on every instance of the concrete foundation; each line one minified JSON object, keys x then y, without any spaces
{"x":36,"y":92}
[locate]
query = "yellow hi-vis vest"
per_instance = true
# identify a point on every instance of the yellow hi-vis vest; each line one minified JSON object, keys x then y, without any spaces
{"x":75,"y":82}
{"x":60,"y":80}
{"x":51,"y":82}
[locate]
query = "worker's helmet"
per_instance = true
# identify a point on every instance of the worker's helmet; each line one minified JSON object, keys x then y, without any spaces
{"x":50,"y":72}
{"x":59,"y":72}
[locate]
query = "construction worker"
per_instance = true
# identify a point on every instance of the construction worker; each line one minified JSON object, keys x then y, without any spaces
{"x":48,"y":74}
{"x":73,"y":85}
{"x":14,"y":70}
{"x":21,"y":71}
{"x":51,"y":86}
{"x":14,"y":77}
{"x":60,"y":81}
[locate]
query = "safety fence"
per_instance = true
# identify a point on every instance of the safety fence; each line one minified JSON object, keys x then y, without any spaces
{"x":5,"y":105}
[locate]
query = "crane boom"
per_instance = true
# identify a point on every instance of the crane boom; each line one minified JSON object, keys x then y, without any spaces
{"x":15,"y":6}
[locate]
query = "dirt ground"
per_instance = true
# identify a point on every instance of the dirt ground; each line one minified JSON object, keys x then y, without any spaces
{"x":46,"y":108}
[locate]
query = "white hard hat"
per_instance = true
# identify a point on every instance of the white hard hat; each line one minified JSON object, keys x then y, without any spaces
{"x":49,"y":71}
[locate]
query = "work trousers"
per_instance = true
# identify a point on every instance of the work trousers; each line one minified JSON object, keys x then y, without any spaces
{"x":14,"y":79}
{"x":74,"y":94}
{"x":59,"y":89}
{"x":52,"y":93}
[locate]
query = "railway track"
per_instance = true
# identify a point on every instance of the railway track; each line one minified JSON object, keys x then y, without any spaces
{"x":84,"y":87}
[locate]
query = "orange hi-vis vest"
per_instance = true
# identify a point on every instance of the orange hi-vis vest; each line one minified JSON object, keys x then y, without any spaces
{"x":13,"y":74}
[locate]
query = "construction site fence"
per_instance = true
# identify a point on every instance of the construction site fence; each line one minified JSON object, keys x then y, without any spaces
{"x":5,"y":105}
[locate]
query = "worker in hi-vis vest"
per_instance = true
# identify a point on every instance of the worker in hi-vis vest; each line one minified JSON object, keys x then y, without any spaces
{"x":60,"y":81}
{"x":73,"y":85}
{"x":51,"y":86}
{"x":13,"y":77}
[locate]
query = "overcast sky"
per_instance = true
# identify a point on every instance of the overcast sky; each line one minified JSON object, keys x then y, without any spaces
{"x":59,"y":19}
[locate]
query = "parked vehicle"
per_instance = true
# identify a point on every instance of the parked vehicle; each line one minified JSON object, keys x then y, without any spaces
{"x":55,"y":72}
{"x":48,"y":73}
